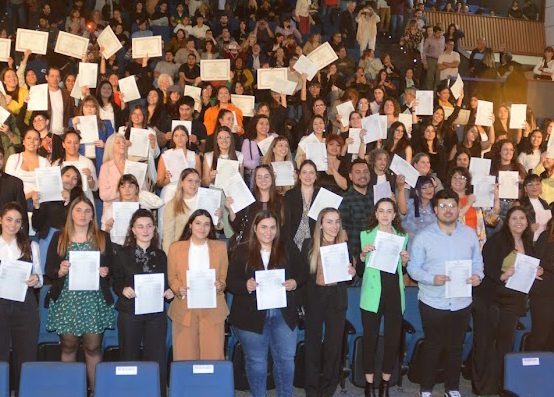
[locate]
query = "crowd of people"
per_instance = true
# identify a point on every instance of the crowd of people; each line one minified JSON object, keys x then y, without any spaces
{"x":440,"y":217}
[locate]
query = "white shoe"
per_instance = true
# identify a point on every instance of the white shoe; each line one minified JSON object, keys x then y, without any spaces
{"x":452,"y":393}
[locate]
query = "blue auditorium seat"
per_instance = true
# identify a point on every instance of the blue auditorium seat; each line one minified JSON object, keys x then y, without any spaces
{"x":53,"y":379}
{"x":201,"y":379}
{"x":127,"y":379}
{"x":529,"y":374}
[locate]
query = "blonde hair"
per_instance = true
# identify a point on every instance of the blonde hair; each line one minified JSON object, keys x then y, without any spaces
{"x":179,"y":205}
{"x":318,"y":237}
{"x":269,"y":156}
{"x":108,"y":148}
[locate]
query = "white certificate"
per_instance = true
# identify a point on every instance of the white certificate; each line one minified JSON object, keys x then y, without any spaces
{"x":129,"y":89}
{"x":215,"y":69}
{"x":137,"y":169}
{"x":84,"y":270}
{"x":5,"y":47}
{"x":375,"y":127}
{"x":283,"y":86}
{"x":542,"y":217}
{"x":147,"y":47}
{"x":424,"y":102}
{"x":209,"y":200}
{"x":49,"y":184}
{"x":175,"y":162}
{"x":88,"y":74}
{"x":2,"y":90}
{"x":307,"y":139}
{"x":518,"y":115}
{"x":38,"y":97}
{"x":484,"y":114}
{"x":88,"y":127}
{"x":323,"y":55}
{"x":122,"y":214}
{"x":13,"y":275}
{"x":479,"y":167}
{"x":270,"y":291}
{"x":71,"y":45}
{"x":4,"y":115}
{"x":457,"y":88}
{"x":344,"y":109}
{"x":185,"y":123}
{"x":139,"y":142}
{"x":335,"y":263}
{"x":305,"y":65}
{"x":193,"y":92}
{"x":381,"y":190}
{"x":225,"y":170}
{"x":237,"y":189}
{"x":407,"y":120}
{"x":463,"y":117}
{"x":109,"y":41}
{"x":76,"y":90}
{"x":458,"y":272}
{"x":525,"y":272}
{"x":401,"y":167}
{"x":245,"y":103}
{"x":483,"y":190}
{"x":387,"y":252}
{"x":201,"y":293}
{"x":508,"y":182}
{"x":284,"y":173}
{"x":265,"y":77}
{"x":354,"y":133}
{"x":317,"y":152}
{"x":264,"y":144}
{"x":33,"y":40}
{"x":149,"y":293}
{"x":324,"y":199}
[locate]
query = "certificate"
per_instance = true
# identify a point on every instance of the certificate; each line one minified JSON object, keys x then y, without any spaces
{"x":335,"y":262}
{"x":88,"y":127}
{"x":518,"y":115}
{"x":270,"y":291}
{"x":84,"y":272}
{"x":209,"y":200}
{"x":354,"y":133}
{"x":49,"y":184}
{"x":264,"y":144}
{"x":458,"y":272}
{"x":4,"y":115}
{"x":381,"y":190}
{"x":265,"y":77}
{"x":33,"y":40}
{"x":139,"y":142}
{"x":375,"y":127}
{"x":324,"y":199}
{"x":109,"y":41}
{"x":317,"y":152}
{"x":5,"y":47}
{"x":193,"y":92}
{"x":175,"y":162}
{"x":283,"y":86}
{"x":215,"y":69}
{"x":225,"y":170}
{"x":407,"y":120}
{"x":38,"y":97}
{"x":129,"y":89}
{"x":237,"y":189}
{"x":307,"y":139}
{"x":88,"y":74}
{"x":457,"y":88}
{"x":245,"y":103}
{"x":323,"y":55}
{"x":424,"y":102}
{"x":483,"y":190}
{"x":284,"y":173}
{"x":147,"y":47}
{"x":542,"y":217}
{"x":479,"y":167}
{"x":305,"y":65}
{"x":387,"y":252}
{"x":71,"y":45}
{"x":122,"y":214}
{"x":508,"y":182}
{"x":13,"y":277}
{"x":185,"y":123}
{"x":484,"y":114}
{"x":401,"y":167}
{"x":149,"y":293}
{"x":525,"y":272}
{"x":344,"y":109}
{"x":463,"y":117}
{"x":201,"y":293}
{"x":137,"y":169}
{"x":2,"y":90}
{"x":76,"y":90}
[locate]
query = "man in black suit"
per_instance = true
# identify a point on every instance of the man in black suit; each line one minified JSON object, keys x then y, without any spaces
{"x":11,"y":188}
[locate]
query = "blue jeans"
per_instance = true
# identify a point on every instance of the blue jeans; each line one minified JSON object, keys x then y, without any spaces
{"x":397,"y":23}
{"x":281,"y":340}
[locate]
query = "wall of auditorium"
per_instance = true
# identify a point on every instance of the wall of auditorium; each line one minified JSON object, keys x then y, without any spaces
{"x":549,"y":22}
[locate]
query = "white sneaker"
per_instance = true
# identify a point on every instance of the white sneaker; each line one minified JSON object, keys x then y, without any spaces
{"x":452,"y":393}
{"x":425,"y":394}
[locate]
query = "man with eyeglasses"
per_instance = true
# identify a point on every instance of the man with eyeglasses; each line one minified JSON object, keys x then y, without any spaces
{"x":445,"y":320}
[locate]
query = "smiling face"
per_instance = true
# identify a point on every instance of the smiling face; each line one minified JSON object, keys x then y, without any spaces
{"x":70,"y":178}
{"x":355,"y":120}
{"x":438,"y":116}
{"x":458,"y":182}
{"x":388,"y":108}
{"x":262,"y":128}
{"x":423,"y":165}
{"x":31,"y":141}
{"x":11,"y":223}
{"x":318,"y":126}
{"x":536,"y":139}
{"x":333,"y":148}
{"x":263,"y":179}
{"x":137,"y":117}
{"x":40,"y":123}
{"x":380,"y":164}
{"x":10,"y":80}
{"x":224,"y":140}
{"x":281,"y":149}
{"x":119,"y":145}
{"x":399,"y":132}
{"x":307,"y":175}
{"x":429,"y":134}
{"x":517,"y":222}
{"x":462,"y":160}
{"x":331,"y":225}
{"x":200,"y":227}
{"x":359,"y":175}
{"x":223,"y":95}
{"x":190,"y":184}
{"x":266,"y":230}
{"x":507,"y":152}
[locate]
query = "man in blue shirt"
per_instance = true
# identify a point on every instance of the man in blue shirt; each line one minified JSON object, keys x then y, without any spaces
{"x":445,"y":320}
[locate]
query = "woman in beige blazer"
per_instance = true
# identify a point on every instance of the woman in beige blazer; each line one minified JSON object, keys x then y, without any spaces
{"x":198,"y":334}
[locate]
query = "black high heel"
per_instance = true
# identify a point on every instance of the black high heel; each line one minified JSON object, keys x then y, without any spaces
{"x":384,"y":388}
{"x":369,"y":390}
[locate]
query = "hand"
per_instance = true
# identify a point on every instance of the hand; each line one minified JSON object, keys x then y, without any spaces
{"x":35,"y":198}
{"x":349,"y":141}
{"x":65,"y":196}
{"x":440,"y":279}
{"x":109,"y":225}
{"x":183,"y":292}
{"x":351,"y":270}
{"x":168,"y":294}
{"x":290,"y":284}
{"x":474,"y":280}
{"x":219,"y":286}
{"x":64,"y":268}
{"x":251,"y":285}
{"x":104,"y":270}
{"x":193,"y":138}
{"x":219,"y":213}
{"x":470,"y":200}
{"x":365,"y":250}
{"x":400,"y":181}
{"x":99,"y":143}
{"x":167,"y":178}
{"x":507,"y":274}
{"x":87,"y":172}
{"x":75,"y":121}
{"x":5,"y":128}
{"x":405,"y":257}
{"x":540,"y":272}
{"x":8,"y":99}
{"x":228,"y":202}
{"x":152,"y":140}
{"x":213,"y":173}
{"x":32,"y":281}
{"x":128,"y":293}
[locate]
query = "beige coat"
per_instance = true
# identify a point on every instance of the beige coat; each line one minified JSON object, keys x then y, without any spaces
{"x":367,"y":30}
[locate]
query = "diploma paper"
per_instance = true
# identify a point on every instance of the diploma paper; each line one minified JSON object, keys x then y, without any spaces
{"x":5,"y":46}
{"x":129,"y":89}
{"x":283,"y":86}
{"x":109,"y":41}
{"x":195,"y":93}
{"x":215,"y":69}
{"x":147,"y":47}
{"x":317,"y":152}
{"x":323,"y":55}
{"x":335,"y":263}
{"x":149,"y":291}
{"x":186,"y":123}
{"x":175,"y":162}
{"x":13,"y":275}
{"x":424,"y":102}
{"x":305,"y":65}
{"x":479,"y":167}
{"x":484,"y":114}
{"x":201,"y":293}
{"x":33,"y":40}
{"x":237,"y":189}
{"x":483,"y":190}
{"x":459,"y":272}
{"x":4,"y":115}
{"x":387,"y":252}
{"x":457,"y":88}
{"x":344,"y":109}
{"x":84,"y":272}
{"x":518,"y":115}
{"x":354,"y":133}
{"x":308,"y":139}
{"x":265,"y":77}
{"x":137,"y":169}
{"x":49,"y":184}
{"x":139,"y":142}
{"x":375,"y":127}
{"x":525,"y":272}
{"x":38,"y":97}
{"x":380,"y":191}
{"x":324,"y":199}
{"x":463,"y":117}
{"x":264,"y":144}
{"x":245,"y":103}
{"x":270,"y":291}
{"x":542,"y":217}
{"x":88,"y":127}
{"x":225,"y":170}
{"x":407,"y":120}
{"x":71,"y":45}
{"x":209,"y":200}
{"x":88,"y":74}
{"x":76,"y":90}
{"x":122,"y":214}
{"x":284,"y":173}
{"x":508,"y":184}
{"x":401,"y":167}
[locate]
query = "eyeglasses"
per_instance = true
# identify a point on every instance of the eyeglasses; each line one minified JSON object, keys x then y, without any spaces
{"x":459,"y":178}
{"x":443,"y":206}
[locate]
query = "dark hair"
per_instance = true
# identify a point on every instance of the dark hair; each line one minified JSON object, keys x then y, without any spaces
{"x":435,"y":145}
{"x":304,"y":164}
{"x":465,"y":173}
{"x":531,"y":178}
{"x":216,"y":153}
{"x":144,"y":120}
{"x":111,"y":99}
{"x":178,"y":127}
{"x":402,"y":144}
{"x":357,"y":161}
{"x":186,"y":100}
{"x":447,"y":194}
{"x":421,"y":180}
{"x":187,"y":231}
{"x":128,"y":178}
{"x":527,"y":235}
{"x":274,"y":203}
{"x":254,"y":247}
{"x":529,"y":148}
{"x":22,"y":239}
{"x":396,"y":222}
{"x":131,"y":239}
{"x":78,"y":189}
{"x":251,"y":132}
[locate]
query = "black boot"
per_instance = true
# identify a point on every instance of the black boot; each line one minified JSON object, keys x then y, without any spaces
{"x":369,"y":391}
{"x":384,"y":388}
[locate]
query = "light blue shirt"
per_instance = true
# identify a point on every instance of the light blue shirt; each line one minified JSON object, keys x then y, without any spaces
{"x":431,"y":249}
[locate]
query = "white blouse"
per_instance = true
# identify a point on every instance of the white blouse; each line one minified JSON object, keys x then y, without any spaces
{"x":13,"y":167}
{"x":199,"y":256}
{"x":10,"y":251}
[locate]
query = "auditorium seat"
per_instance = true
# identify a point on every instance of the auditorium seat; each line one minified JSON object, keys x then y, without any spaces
{"x":53,"y":379}
{"x":529,"y":374}
{"x":4,"y":379}
{"x":201,"y":379}
{"x":127,"y":379}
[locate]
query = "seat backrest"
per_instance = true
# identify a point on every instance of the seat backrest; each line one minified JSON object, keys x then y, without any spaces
{"x":4,"y":379}
{"x":529,"y":374}
{"x":49,"y":379}
{"x":127,"y":379}
{"x":201,"y":379}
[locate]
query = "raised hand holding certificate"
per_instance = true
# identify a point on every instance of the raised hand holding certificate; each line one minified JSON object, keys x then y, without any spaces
{"x":324,"y":199}
{"x":518,"y":115}
{"x":215,"y":69}
{"x":201,"y":293}
{"x":458,"y":272}
{"x":317,"y":152}
{"x":525,"y":272}
{"x":483,"y":190}
{"x":335,"y":263}
{"x":38,"y":97}
{"x":241,"y":194}
{"x":424,"y":102}
{"x":139,"y":142}
{"x":265,"y":77}
{"x":88,"y":127}
{"x":122,"y":214}
{"x":375,"y":127}
{"x":209,"y":200}
{"x":88,"y":74}
{"x":4,"y":115}
{"x":71,"y":45}
{"x":387,"y":252}
{"x":508,"y":184}
{"x":323,"y":55}
{"x":354,"y":133}
{"x":479,"y":167}
{"x":175,"y":162}
{"x":381,"y":190}
{"x":264,"y":144}
{"x":84,"y":272}
{"x":305,"y":65}
{"x":149,"y":293}
{"x":147,"y":47}
{"x":246,"y":104}
{"x":137,"y":169}
{"x":109,"y":41}
{"x":484,"y":114}
{"x":33,"y":40}
{"x":344,"y":109}
{"x":283,"y":86}
{"x":401,"y":167}
{"x":458,"y":87}
{"x":49,"y":184}
{"x":13,"y":277}
{"x":284,"y":173}
{"x":270,"y":291}
{"x":5,"y":46}
{"x":129,"y":89}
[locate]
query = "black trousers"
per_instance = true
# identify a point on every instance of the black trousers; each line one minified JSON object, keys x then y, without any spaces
{"x":542,"y":328}
{"x":444,"y":330}
{"x":19,"y":326}
{"x":324,"y":305}
{"x":148,"y":331}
